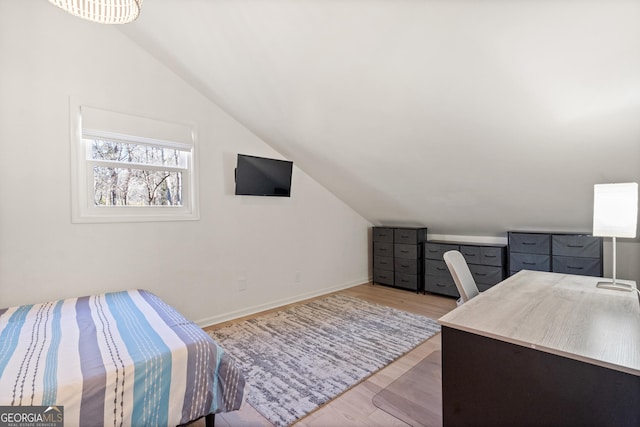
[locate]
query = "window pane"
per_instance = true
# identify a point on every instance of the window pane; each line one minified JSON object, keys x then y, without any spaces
{"x":136,"y":153}
{"x":136,"y":187}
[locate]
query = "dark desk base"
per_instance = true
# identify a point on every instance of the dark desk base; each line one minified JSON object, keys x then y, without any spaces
{"x":487,"y":382}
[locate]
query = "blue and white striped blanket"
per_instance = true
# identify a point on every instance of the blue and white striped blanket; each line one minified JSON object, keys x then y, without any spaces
{"x":119,"y":359}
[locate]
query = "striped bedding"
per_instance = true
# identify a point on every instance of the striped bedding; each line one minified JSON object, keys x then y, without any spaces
{"x":119,"y":359}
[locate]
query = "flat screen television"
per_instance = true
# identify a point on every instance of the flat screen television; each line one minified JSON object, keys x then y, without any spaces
{"x":259,"y":176}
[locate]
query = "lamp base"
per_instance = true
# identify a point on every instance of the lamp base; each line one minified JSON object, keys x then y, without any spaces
{"x":616,"y":286}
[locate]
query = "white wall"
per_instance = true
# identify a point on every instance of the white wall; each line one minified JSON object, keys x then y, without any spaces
{"x":628,"y":259}
{"x":471,"y":117}
{"x":468,"y":117}
{"x":46,"y":56}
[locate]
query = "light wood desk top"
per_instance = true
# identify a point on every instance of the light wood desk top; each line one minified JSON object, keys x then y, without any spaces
{"x":557,"y":313}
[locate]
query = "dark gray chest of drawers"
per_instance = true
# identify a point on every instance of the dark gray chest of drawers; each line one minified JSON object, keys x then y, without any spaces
{"x":397,"y":257}
{"x":568,"y":253}
{"x":487,"y":263}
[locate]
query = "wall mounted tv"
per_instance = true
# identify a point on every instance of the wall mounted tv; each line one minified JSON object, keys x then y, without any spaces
{"x":259,"y":176}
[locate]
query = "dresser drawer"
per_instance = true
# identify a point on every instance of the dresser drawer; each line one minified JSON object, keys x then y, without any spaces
{"x":529,"y":262}
{"x":406,"y":265}
{"x":407,"y":281}
{"x":471,"y":254}
{"x":437,"y":250}
{"x":406,"y":251}
{"x":577,"y":265}
{"x":382,"y":249}
{"x":383,"y":277}
{"x":383,"y":234}
{"x":576,"y":246}
{"x":486,"y":274}
{"x":441,"y":285}
{"x":492,"y":256}
{"x":383,"y":262}
{"x":411,"y":236}
{"x":436,"y":268}
{"x":530,"y":243}
{"x":483,"y":255}
{"x":483,"y":288}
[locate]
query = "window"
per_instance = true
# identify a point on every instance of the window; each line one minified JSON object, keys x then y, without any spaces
{"x":130,"y":168}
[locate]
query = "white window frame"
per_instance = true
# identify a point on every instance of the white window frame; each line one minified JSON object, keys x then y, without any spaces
{"x":84,"y":209}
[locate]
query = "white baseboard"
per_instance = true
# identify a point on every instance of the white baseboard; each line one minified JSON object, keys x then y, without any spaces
{"x":225,"y":317}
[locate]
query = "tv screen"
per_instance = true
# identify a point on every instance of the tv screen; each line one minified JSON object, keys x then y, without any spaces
{"x":259,"y":176}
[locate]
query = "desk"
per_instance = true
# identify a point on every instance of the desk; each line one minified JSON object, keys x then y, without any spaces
{"x":543,"y":349}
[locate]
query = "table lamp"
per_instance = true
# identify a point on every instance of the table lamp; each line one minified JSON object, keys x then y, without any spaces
{"x":615,"y":214}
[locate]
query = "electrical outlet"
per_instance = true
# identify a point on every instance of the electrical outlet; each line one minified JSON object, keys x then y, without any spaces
{"x":242,"y":284}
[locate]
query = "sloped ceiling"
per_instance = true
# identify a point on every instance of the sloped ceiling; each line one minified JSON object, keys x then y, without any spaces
{"x":470,"y":117}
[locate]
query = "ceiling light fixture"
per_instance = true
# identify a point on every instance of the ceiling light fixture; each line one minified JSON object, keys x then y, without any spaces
{"x":102,"y":11}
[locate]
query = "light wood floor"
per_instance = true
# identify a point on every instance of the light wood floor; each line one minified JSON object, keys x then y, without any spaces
{"x":355,"y":407}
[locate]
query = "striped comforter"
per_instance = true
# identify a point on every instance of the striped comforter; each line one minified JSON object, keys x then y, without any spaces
{"x":124,"y":358}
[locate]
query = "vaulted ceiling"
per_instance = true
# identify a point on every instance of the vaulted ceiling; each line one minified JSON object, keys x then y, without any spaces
{"x":467,"y":116}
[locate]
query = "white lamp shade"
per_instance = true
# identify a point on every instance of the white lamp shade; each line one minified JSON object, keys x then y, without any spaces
{"x":615,"y":209}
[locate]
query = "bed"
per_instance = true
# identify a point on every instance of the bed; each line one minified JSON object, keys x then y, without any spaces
{"x":119,"y":359}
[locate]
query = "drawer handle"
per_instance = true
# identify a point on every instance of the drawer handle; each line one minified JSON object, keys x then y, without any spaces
{"x":433,"y":251}
{"x":382,"y":249}
{"x":441,"y":269}
{"x":383,"y":277}
{"x":529,"y":243}
{"x":481,"y":274}
{"x":404,"y":251}
{"x":576,"y":246}
{"x":529,"y":263}
{"x":404,"y":265}
{"x":491,"y":256}
{"x":404,"y":281}
{"x":574,"y":268}
{"x":468,"y":254}
{"x":441,"y":286}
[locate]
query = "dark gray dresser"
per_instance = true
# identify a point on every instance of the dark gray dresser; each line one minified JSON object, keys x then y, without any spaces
{"x":487,"y":263}
{"x":568,"y":253}
{"x":397,"y":257}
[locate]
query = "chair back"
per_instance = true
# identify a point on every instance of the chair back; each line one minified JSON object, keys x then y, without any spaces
{"x":461,"y":275}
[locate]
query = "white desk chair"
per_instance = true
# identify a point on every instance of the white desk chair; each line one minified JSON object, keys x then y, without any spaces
{"x":461,"y":275}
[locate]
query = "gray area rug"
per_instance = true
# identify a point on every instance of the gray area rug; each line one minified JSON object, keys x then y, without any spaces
{"x":300,"y":358}
{"x":406,"y":397}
